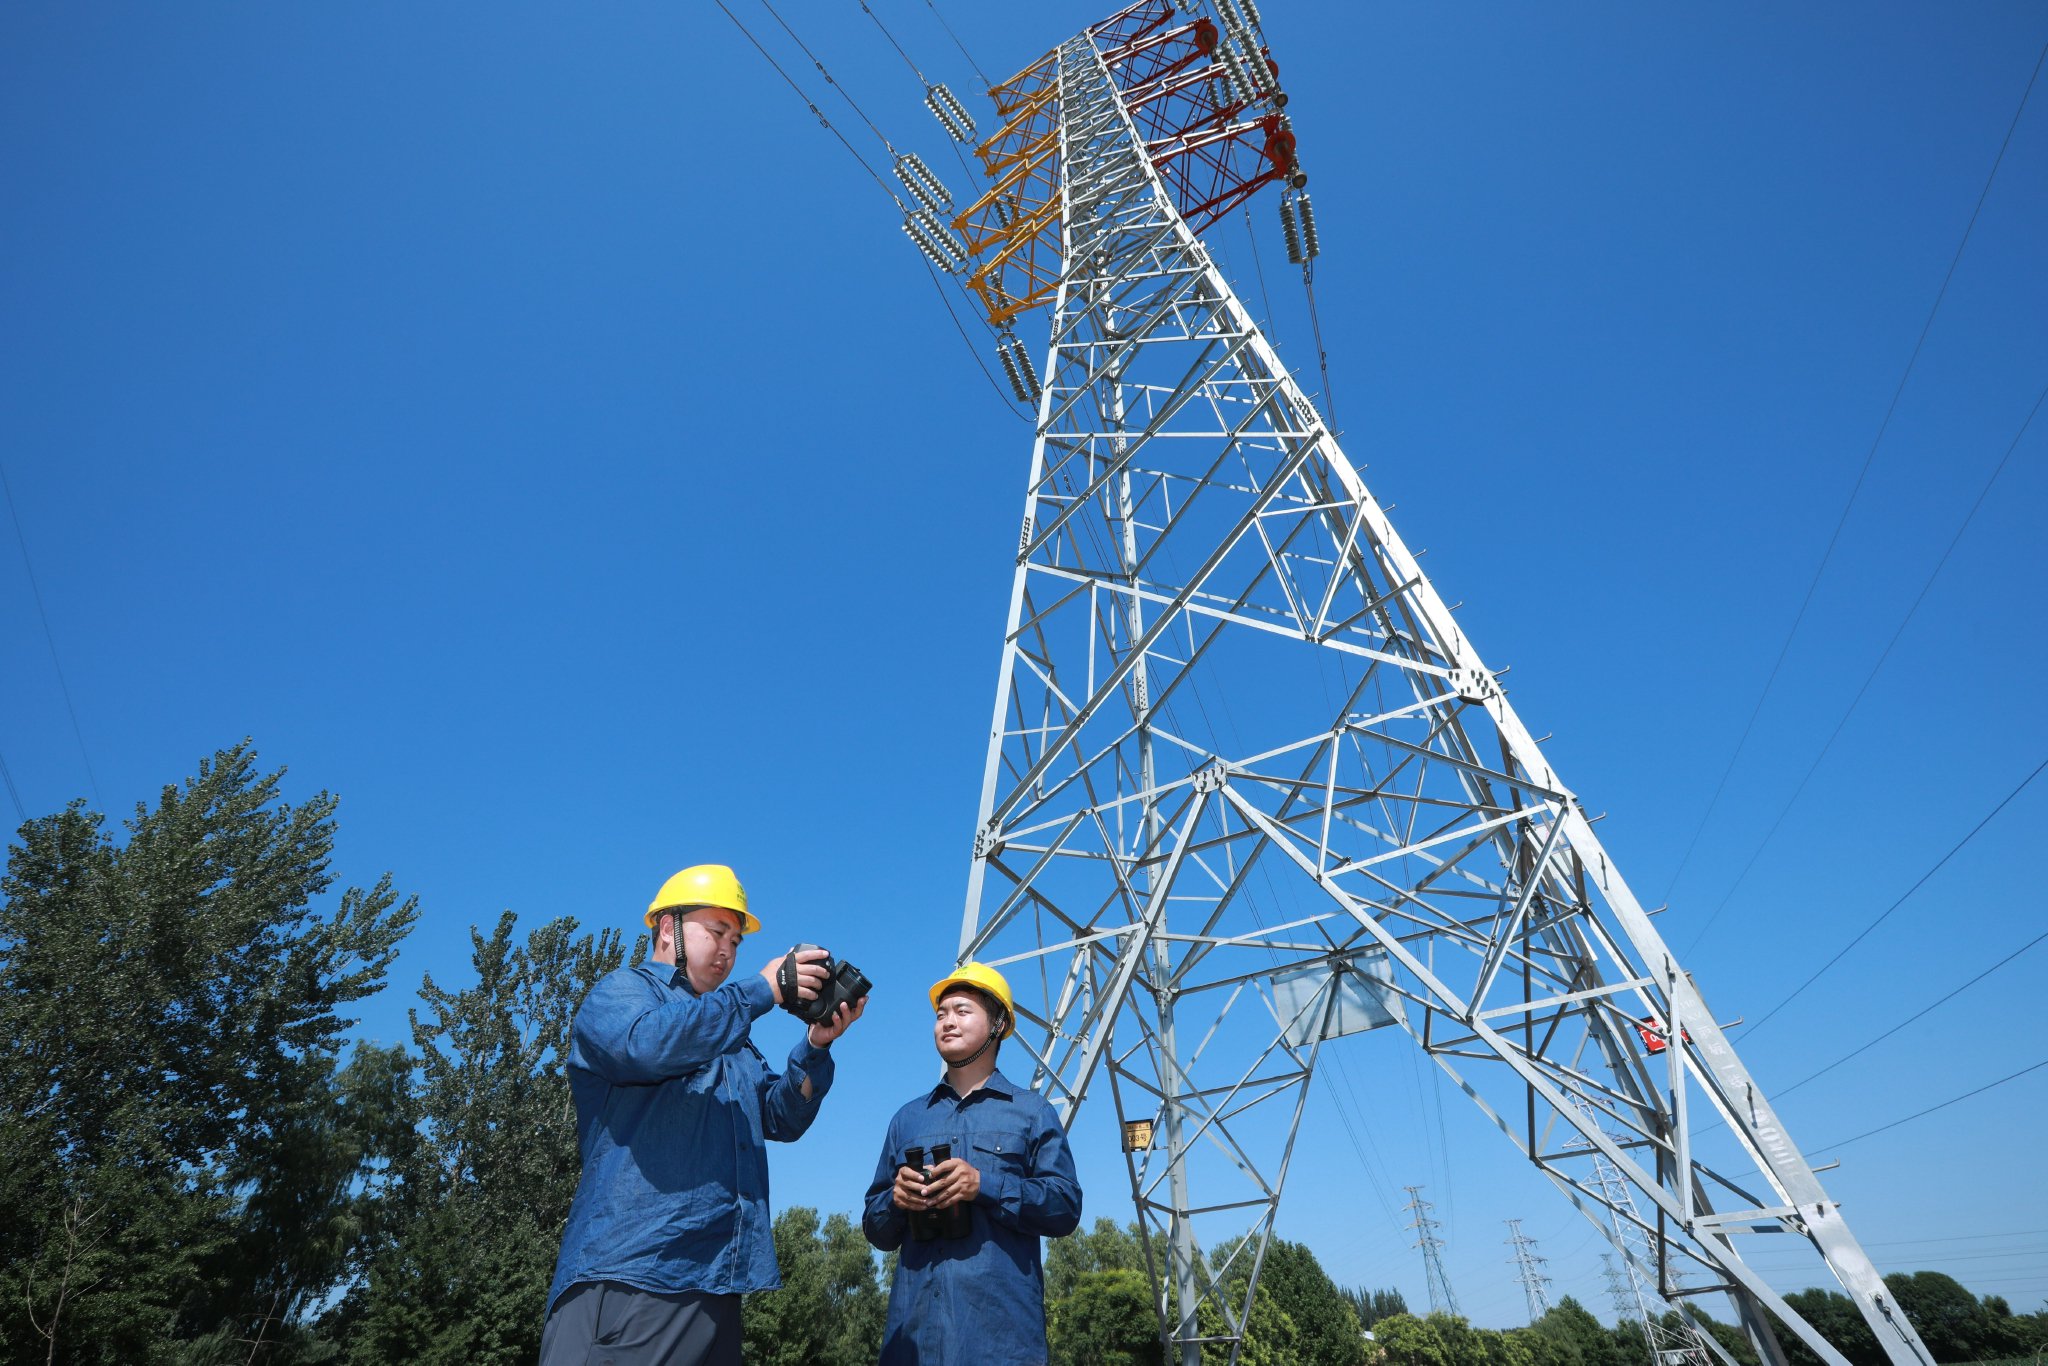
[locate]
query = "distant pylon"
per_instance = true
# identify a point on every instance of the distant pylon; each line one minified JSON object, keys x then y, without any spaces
{"x":1441,"y":1300}
{"x":1528,"y":1270}
{"x":1630,"y":1279}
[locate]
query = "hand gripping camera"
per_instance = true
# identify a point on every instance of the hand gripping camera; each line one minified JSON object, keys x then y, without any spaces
{"x":843,"y":983}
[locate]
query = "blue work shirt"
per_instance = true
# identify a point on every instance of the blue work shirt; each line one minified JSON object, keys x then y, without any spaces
{"x":980,"y":1298}
{"x":674,"y":1105}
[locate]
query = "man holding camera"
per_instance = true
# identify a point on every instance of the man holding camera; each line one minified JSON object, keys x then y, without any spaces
{"x":674,"y":1107}
{"x":973,"y":1173}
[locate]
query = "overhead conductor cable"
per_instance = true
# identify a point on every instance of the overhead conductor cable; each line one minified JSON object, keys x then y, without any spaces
{"x":933,"y":246}
{"x":945,"y":108}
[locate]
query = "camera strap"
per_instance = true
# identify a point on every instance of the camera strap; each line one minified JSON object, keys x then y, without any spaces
{"x":786,"y":978}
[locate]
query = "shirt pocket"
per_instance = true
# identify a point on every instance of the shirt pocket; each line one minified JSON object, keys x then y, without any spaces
{"x":1002,"y":1153}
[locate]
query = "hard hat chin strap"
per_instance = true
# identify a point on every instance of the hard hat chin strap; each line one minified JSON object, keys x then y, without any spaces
{"x":675,"y":938}
{"x":998,"y":1025}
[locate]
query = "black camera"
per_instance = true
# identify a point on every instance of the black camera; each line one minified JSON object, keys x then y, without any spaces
{"x":843,"y":983}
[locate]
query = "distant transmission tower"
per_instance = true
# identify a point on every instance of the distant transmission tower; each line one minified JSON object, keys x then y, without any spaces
{"x":1441,"y":1300}
{"x":1529,"y":1270}
{"x":1632,"y":1278}
{"x":1250,"y":788}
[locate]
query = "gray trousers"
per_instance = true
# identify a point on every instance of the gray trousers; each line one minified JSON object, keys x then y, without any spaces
{"x":605,"y":1323}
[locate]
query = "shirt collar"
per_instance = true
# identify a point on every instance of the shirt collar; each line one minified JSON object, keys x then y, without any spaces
{"x":668,"y":974}
{"x":996,"y":1085}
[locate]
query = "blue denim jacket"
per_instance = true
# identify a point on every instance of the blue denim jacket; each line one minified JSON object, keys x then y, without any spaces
{"x":673,"y":1108}
{"x":980,"y":1298}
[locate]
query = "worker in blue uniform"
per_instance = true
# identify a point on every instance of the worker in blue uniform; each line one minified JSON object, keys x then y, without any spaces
{"x":674,"y":1108}
{"x":972,"y":1174}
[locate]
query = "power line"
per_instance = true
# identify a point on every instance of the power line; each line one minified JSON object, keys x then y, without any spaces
{"x":898,"y":46}
{"x":50,"y":639}
{"x":1861,"y":935}
{"x":1308,"y":285}
{"x":829,"y":127}
{"x":1843,"y":1143}
{"x":1008,"y":402}
{"x":828,"y":76}
{"x":1886,"y":654}
{"x":809,"y":104}
{"x":1960,"y":1238}
{"x":1924,"y":1259}
{"x":8,"y":774}
{"x":1828,"y":554}
{"x":1917,"y":1014}
{"x":979,"y":74}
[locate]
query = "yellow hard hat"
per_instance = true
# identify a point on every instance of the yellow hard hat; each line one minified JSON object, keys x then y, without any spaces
{"x":704,"y":884}
{"x":981,"y":977}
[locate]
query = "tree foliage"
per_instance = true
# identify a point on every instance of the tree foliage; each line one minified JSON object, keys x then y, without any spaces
{"x":1373,"y":1305}
{"x":831,"y":1306}
{"x":483,"y":1163}
{"x":174,"y":1000}
{"x":1099,"y":1309}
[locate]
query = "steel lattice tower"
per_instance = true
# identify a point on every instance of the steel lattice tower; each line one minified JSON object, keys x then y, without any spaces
{"x":1441,"y":1300}
{"x":1529,"y":1270}
{"x":1633,"y":1285}
{"x":1251,"y":789}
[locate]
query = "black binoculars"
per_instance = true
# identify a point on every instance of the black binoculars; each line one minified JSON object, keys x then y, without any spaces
{"x":929,"y":1225}
{"x":843,"y":983}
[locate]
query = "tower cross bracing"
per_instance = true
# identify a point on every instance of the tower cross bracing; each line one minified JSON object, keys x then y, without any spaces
{"x":1250,"y":789}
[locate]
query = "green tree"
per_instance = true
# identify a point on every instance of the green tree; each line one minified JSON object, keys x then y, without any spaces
{"x":1104,"y":1318}
{"x":1272,"y":1337}
{"x":1835,"y":1317}
{"x":173,"y":1001}
{"x":1527,"y":1347}
{"x":1105,"y":1247}
{"x":1733,"y":1339}
{"x":1406,"y":1340}
{"x":1955,"y":1324}
{"x":1330,"y":1333}
{"x":1373,"y":1305}
{"x":1327,"y":1329}
{"x":831,"y":1307}
{"x":1579,"y":1336}
{"x":482,"y":1162}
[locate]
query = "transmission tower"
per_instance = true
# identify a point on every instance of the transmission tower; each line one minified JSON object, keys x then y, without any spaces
{"x":1529,"y":1270}
{"x":1441,"y":1300}
{"x":1250,"y":788}
{"x":1633,"y":1284}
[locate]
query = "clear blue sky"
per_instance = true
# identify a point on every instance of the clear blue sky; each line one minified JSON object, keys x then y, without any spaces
{"x":530,"y":425}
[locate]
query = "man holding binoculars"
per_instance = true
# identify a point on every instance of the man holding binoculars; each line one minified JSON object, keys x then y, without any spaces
{"x":972,"y":1174}
{"x":674,"y":1107}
